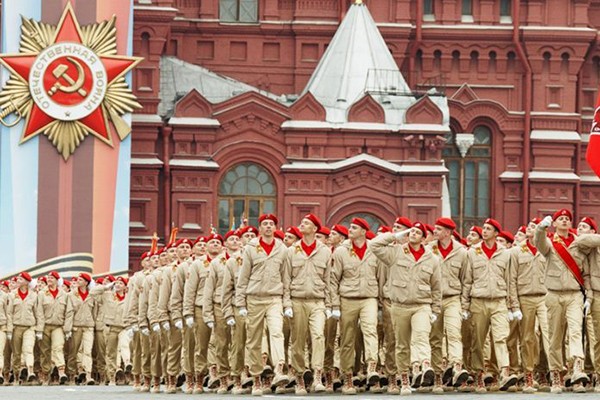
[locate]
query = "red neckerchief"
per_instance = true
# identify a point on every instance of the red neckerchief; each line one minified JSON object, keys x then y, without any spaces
{"x":83,"y":295}
{"x":23,"y":295}
{"x":360,"y":251}
{"x":567,"y":240}
{"x":417,"y":253}
{"x":445,"y":251}
{"x":489,"y":252}
{"x":308,"y":249}
{"x":119,"y":297}
{"x":208,"y":258}
{"x":532,"y":248}
{"x":266,"y":247}
{"x":227,"y":256}
{"x":54,"y":293}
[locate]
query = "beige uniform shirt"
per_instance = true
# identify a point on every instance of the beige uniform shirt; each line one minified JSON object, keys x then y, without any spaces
{"x":307,"y":277}
{"x":529,"y":273}
{"x":3,"y":310}
{"x":213,"y":286}
{"x":24,"y":312}
{"x":193,"y":292}
{"x":230,"y":277}
{"x":114,"y":307}
{"x":155,"y":282}
{"x":409,"y":281}
{"x":178,"y":289}
{"x":453,"y":267}
{"x":54,"y":309}
{"x":134,"y":288}
{"x":80,"y":312}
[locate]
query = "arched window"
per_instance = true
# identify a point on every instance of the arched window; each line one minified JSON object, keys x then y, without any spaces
{"x":245,"y":191}
{"x":374,"y":222}
{"x":469,"y":178}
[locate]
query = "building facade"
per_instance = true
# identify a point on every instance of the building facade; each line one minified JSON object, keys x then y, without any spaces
{"x":232,"y":127}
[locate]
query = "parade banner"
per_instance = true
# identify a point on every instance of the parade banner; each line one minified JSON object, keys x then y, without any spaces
{"x":592,"y":154}
{"x":65,"y":143}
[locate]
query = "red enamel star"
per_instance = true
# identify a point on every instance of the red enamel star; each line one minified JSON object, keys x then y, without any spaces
{"x":96,"y":121}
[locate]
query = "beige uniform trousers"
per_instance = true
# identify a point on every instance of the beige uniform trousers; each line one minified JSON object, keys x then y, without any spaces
{"x":331,"y":334}
{"x":116,"y":342}
{"x":238,"y":344}
{"x":52,"y":348}
{"x":146,"y":355}
{"x":412,"y":328}
{"x":261,"y":310}
{"x":2,"y":347}
{"x":355,"y":313}
{"x":309,"y":318}
{"x":466,"y":331}
{"x":534,"y":310}
{"x":595,"y":312}
{"x":99,"y":352}
{"x":136,"y":353}
{"x":23,"y":341}
{"x":565,"y":313}
{"x":512,"y":344}
{"x":489,"y":314}
{"x":389,"y":339}
{"x":189,"y":349}
{"x":448,"y":325}
{"x":222,"y":340}
{"x":155,"y":354}
{"x":202,"y":335}
{"x":164,"y":349}
{"x":174,"y":356}
{"x":82,"y":340}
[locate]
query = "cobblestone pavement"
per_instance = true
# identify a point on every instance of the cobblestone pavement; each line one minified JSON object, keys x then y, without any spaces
{"x":121,"y":392}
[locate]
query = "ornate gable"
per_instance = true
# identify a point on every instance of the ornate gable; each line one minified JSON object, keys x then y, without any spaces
{"x":424,"y":111}
{"x":307,"y":108}
{"x":464,"y":94}
{"x":193,"y":105}
{"x":367,"y":109}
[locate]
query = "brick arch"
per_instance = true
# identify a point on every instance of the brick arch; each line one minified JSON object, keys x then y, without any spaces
{"x":465,"y":114}
{"x":193,"y":105}
{"x":378,"y":207}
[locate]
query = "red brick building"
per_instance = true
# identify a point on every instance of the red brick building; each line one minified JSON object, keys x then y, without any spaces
{"x":234,"y":123}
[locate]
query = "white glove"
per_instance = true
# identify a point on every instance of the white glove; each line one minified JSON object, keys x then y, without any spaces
{"x":518,"y":315}
{"x":38,"y":335}
{"x":336,"y":314}
{"x":189,"y":321}
{"x":129,"y":333}
{"x":8,"y":335}
{"x":67,"y":335}
{"x":586,"y":307}
{"x":380,"y":315}
{"x":510,"y":316}
{"x":546,"y":222}
{"x":465,"y":315}
{"x":179,"y":324}
{"x":135,"y":328}
{"x":210,"y":324}
{"x":155,"y":328}
{"x":166,"y":325}
{"x":289,"y":313}
{"x":328,"y":313}
{"x":401,"y":234}
{"x":433,"y":317}
{"x":243,"y":312}
{"x":145,"y":331}
{"x":231,"y":321}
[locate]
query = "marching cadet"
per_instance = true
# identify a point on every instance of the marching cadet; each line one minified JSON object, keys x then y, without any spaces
{"x":151,"y":359}
{"x":248,"y":233}
{"x":414,"y":285}
{"x":25,"y":325}
{"x":305,"y":299}
{"x":192,"y":312}
{"x":212,"y":311}
{"x":99,"y":348}
{"x":170,"y":312}
{"x":134,"y":289}
{"x":453,"y":258}
{"x":53,"y":302}
{"x":354,"y":293}
{"x":485,"y":293}
{"x":112,"y":296}
{"x":4,"y":293}
{"x":567,"y":277}
{"x":292,"y":235}
{"x":259,"y":294}
{"x":323,"y":235}
{"x":528,"y":275}
{"x":521,"y":234}
{"x":475,"y":236}
{"x":199,"y":247}
{"x":79,"y":323}
{"x":153,"y":314}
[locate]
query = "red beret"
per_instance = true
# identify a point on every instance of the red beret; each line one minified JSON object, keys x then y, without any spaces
{"x":268,"y":216}
{"x":384,"y":229}
{"x":14,"y":279}
{"x":67,"y":283}
{"x":421,"y":227}
{"x":100,"y":281}
{"x":145,"y":254}
{"x":536,"y":220}
{"x":430,"y":228}
{"x":25,"y":276}
{"x":214,"y":236}
{"x":294,"y":231}
{"x":184,"y":241}
{"x":361,"y":222}
{"x":404,"y":221}
{"x":590,"y":221}
{"x":200,"y":239}
{"x":123,"y":279}
{"x":161,"y":250}
{"x":369,"y":235}
{"x":110,"y":278}
{"x":446,"y":223}
{"x":562,"y":212}
{"x":494,"y":223}
{"x":341,"y":229}
{"x":6,"y":283}
{"x":85,"y":276}
{"x":477,"y":230}
{"x":43,"y":279}
{"x":251,"y":229}
{"x":279,"y":234}
{"x":54,"y":274}
{"x":508,"y":236}
{"x":324,"y":231}
{"x":232,"y":233}
{"x":522,"y":229}
{"x":314,"y":219}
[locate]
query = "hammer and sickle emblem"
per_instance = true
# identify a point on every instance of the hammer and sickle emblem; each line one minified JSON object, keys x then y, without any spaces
{"x":76,"y":84}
